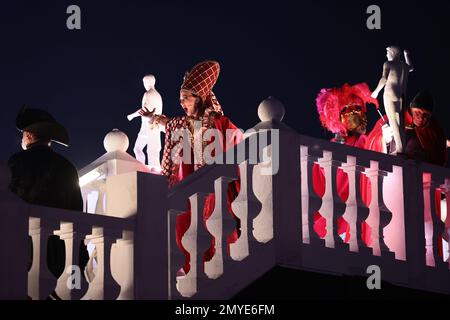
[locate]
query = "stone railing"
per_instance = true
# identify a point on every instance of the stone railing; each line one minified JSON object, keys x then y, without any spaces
{"x":235,"y":265}
{"x":407,"y":223}
{"x":406,"y":241}
{"x":125,"y":266}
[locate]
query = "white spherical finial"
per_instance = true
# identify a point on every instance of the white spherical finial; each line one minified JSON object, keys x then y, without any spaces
{"x":271,"y":109}
{"x":116,"y":140}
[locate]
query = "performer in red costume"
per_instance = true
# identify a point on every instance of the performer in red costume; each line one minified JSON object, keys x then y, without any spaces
{"x":342,"y":111}
{"x":424,"y":138}
{"x":203,"y":112}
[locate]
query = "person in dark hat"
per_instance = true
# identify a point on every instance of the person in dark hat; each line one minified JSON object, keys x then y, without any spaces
{"x":41,"y":176}
{"x":425,"y":138}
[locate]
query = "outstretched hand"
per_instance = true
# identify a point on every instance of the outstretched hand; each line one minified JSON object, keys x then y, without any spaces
{"x":144,"y":112}
{"x":153,"y":119}
{"x":161,"y":119}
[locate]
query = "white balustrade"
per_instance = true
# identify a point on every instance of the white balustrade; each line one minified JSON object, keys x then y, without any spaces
{"x":137,"y":256}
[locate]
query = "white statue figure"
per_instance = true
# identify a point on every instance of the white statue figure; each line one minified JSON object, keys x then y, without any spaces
{"x":394,"y":81}
{"x":149,"y":134}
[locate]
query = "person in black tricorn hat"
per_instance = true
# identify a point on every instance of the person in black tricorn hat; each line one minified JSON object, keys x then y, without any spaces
{"x":41,"y":176}
{"x":425,"y":138}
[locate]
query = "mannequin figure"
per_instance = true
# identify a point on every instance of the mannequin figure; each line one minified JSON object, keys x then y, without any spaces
{"x":150,"y":133}
{"x":394,"y":81}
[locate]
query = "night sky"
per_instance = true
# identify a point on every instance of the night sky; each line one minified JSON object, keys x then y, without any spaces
{"x":90,"y":79}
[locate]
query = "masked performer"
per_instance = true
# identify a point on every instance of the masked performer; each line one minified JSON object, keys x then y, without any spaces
{"x":424,"y":137}
{"x":342,"y":111}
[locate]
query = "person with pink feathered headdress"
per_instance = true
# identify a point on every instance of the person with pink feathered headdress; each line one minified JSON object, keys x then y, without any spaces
{"x":342,"y":111}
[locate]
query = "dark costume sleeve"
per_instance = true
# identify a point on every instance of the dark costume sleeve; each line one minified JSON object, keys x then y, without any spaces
{"x":41,"y":176}
{"x":434,"y":142}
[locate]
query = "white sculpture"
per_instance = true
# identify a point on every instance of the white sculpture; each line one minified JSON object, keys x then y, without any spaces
{"x":149,"y":134}
{"x":394,"y":81}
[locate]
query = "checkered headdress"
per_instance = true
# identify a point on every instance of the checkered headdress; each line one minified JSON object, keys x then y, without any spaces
{"x":200,"y":81}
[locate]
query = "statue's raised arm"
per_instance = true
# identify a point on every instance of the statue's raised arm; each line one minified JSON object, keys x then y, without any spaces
{"x":382,"y":81}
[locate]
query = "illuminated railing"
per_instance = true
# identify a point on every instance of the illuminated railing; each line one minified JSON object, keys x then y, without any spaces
{"x":407,"y":222}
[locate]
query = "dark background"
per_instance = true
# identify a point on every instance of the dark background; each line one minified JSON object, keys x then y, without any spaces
{"x":92,"y":78}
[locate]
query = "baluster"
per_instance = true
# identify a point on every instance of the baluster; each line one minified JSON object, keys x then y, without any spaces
{"x":194,"y":241}
{"x":305,"y":193}
{"x":72,"y":240}
{"x":263,"y":190}
{"x":385,"y":217}
{"x":379,"y":214}
{"x":41,"y":282}
{"x":447,"y":220}
{"x":351,"y":210}
{"x":95,"y":291}
{"x":428,"y":219}
{"x":103,"y":286}
{"x":79,"y":235}
{"x":438,"y":227}
{"x":111,"y":287}
{"x":214,"y":267}
{"x":34,"y":231}
{"x":176,"y":256}
{"x":220,"y":224}
{"x":373,"y":219}
{"x":362,"y":215}
{"x":314,"y":203}
{"x":326,"y":210}
{"x":394,"y":198}
{"x":338,"y":207}
{"x":245,"y":207}
{"x":122,"y":265}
